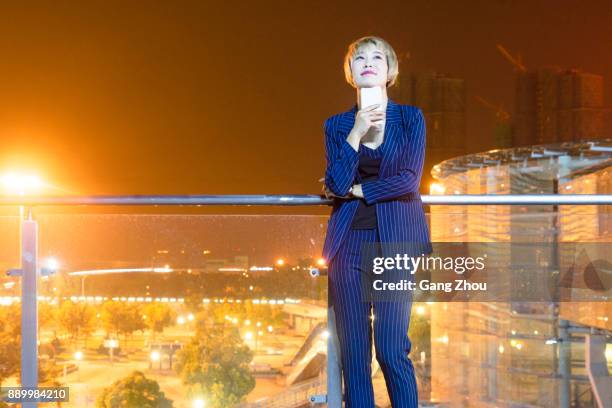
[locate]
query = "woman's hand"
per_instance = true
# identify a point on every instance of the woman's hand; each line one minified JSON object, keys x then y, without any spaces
{"x":357,"y":191}
{"x":364,"y":120}
{"x":330,"y":195}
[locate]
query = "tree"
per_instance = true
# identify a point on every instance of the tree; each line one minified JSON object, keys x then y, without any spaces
{"x":157,"y":317}
{"x":9,"y":356}
{"x":217,"y":365}
{"x":77,"y":319}
{"x":46,"y":315}
{"x":48,"y":373}
{"x":10,"y":350}
{"x":219,"y":311}
{"x":10,"y":341}
{"x":122,"y":318}
{"x":133,"y":391}
{"x":269,"y":314}
{"x":193,"y":292}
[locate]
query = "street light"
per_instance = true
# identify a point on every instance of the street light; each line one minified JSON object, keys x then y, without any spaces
{"x":52,"y":264}
{"x":155,"y":357}
{"x":111,"y":345}
{"x":199,"y":403}
{"x":83,"y":277}
{"x":257,"y":335}
{"x":78,"y":356}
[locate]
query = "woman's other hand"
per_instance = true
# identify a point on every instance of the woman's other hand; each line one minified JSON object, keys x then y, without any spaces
{"x":330,"y":195}
{"x":357,"y":191}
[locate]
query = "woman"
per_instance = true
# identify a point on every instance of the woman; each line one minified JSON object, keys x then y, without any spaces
{"x":374,"y":165}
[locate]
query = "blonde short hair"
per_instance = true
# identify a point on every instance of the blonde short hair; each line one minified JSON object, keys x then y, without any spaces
{"x":383,"y":46}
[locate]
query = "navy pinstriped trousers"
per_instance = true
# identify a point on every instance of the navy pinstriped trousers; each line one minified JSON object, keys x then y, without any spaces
{"x":354,"y":327}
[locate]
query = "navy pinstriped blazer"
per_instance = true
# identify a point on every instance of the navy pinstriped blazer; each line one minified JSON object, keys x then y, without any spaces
{"x":401,"y":222}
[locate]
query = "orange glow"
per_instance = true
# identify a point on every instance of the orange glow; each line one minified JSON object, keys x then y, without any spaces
{"x":17,"y":183}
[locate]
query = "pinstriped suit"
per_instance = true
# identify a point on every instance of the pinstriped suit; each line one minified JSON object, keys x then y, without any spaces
{"x":400,"y":222}
{"x":400,"y":173}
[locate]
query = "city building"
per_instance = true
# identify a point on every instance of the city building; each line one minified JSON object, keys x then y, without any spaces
{"x":555,"y":105}
{"x":514,"y":353}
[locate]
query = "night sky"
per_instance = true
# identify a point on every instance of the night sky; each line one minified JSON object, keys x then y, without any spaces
{"x":200,"y":97}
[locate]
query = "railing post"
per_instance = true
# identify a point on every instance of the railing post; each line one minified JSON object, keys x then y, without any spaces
{"x":29,"y":306}
{"x":334,"y":376}
{"x":565,"y":369}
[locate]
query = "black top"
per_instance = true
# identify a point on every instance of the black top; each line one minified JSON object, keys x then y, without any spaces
{"x":369,"y":165}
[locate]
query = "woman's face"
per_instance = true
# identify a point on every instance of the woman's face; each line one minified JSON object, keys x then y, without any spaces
{"x":369,"y":67}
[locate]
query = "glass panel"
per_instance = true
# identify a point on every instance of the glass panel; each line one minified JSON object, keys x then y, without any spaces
{"x":159,"y":290}
{"x":505,"y":353}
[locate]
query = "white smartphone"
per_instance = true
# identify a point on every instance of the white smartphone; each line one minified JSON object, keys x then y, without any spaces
{"x":370,"y":96}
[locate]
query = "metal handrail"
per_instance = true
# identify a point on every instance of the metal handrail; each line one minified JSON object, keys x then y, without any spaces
{"x":300,"y":200}
{"x":30,"y":270}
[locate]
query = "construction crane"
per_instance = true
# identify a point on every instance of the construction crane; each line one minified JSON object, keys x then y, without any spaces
{"x":516,"y":61}
{"x":500,"y":113}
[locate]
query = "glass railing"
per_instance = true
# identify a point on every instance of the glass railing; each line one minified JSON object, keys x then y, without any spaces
{"x":231,"y":310}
